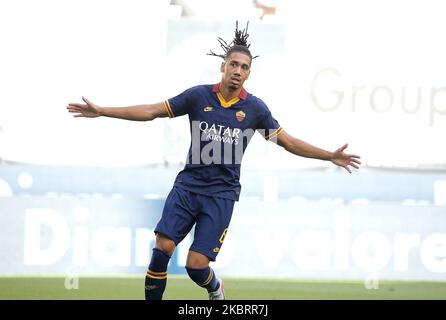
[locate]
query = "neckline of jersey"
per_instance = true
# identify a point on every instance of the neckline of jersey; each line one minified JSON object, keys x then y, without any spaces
{"x":227,"y":104}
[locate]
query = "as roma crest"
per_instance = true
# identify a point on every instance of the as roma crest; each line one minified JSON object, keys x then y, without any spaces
{"x":240,"y":115}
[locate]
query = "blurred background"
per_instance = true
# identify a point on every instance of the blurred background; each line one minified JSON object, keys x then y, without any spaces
{"x":84,"y":195}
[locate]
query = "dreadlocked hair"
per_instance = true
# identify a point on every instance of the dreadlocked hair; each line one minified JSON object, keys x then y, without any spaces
{"x":238,"y":44}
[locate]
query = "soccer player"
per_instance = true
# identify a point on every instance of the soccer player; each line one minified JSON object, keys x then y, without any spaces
{"x":223,"y":117}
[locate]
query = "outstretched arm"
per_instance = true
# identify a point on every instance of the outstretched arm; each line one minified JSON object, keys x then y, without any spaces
{"x":144,"y":112}
{"x":304,"y":149}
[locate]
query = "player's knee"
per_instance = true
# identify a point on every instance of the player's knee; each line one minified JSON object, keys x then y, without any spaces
{"x":196,"y":260}
{"x":164,"y":244}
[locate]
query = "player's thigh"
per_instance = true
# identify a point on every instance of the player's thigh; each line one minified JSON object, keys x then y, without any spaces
{"x":212,"y":226}
{"x":178,"y":216}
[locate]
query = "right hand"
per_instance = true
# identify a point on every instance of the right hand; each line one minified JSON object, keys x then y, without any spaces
{"x":87,"y":110}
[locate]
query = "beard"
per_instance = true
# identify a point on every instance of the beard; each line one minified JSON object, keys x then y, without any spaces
{"x":232,"y":87}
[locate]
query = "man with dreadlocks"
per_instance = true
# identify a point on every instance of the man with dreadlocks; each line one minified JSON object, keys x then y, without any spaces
{"x":223,"y":117}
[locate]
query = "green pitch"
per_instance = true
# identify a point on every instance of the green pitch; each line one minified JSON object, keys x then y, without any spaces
{"x":179,"y":287}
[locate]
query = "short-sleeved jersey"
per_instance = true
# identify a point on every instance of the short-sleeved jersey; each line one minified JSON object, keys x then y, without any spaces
{"x":220,"y":133}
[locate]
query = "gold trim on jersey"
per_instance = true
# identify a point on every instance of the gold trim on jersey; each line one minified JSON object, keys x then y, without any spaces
{"x":224,"y":103}
{"x":274,"y":134}
{"x":168,"y":108}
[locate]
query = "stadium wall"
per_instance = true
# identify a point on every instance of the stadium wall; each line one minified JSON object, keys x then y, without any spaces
{"x":332,"y":235}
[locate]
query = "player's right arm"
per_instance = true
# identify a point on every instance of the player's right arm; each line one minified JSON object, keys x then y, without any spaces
{"x":144,"y":112}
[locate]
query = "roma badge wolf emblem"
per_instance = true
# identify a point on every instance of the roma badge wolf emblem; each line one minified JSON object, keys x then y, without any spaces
{"x":240,"y":115}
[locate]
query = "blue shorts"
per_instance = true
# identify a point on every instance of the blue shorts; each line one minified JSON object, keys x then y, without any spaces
{"x":211,"y":216}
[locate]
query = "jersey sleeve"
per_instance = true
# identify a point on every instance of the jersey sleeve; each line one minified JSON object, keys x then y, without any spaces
{"x":181,"y":104}
{"x":267,"y":125}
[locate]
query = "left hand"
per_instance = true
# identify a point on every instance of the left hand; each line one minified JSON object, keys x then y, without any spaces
{"x":344,"y":160}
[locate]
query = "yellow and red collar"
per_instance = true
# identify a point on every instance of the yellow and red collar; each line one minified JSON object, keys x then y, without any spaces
{"x":226,"y":104}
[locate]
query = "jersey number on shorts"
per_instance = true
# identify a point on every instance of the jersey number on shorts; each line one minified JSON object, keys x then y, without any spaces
{"x":223,"y":235}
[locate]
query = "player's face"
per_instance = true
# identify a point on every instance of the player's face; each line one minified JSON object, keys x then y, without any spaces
{"x":235,"y":70}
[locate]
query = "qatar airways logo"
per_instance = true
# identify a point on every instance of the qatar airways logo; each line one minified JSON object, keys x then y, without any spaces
{"x":220,"y":133}
{"x":219,"y":144}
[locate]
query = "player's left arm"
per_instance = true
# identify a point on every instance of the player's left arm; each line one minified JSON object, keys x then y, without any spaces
{"x":304,"y":149}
